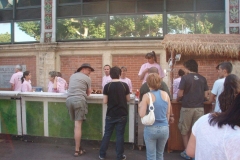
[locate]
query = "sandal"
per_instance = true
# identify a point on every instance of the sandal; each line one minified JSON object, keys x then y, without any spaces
{"x":80,"y":152}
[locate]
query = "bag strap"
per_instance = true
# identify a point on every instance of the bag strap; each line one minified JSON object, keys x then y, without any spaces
{"x":151,"y":107}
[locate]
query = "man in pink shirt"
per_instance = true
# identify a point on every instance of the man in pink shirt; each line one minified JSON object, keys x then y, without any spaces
{"x":15,"y":80}
{"x":106,"y":79}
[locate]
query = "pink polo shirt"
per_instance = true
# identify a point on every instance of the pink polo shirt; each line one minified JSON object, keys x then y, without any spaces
{"x":61,"y":85}
{"x":26,"y":86}
{"x":148,"y":65}
{"x":16,"y":80}
{"x":128,"y":81}
{"x":176,"y":83}
{"x":50,"y":86}
{"x":105,"y":80}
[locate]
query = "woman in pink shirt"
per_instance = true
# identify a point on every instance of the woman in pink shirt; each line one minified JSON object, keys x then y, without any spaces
{"x":123,"y":78}
{"x":152,"y":62}
{"x":60,"y":85}
{"x":52,"y":75}
{"x":26,"y":82}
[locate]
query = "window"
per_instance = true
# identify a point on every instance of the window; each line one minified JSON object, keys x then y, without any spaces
{"x":5,"y":33}
{"x":138,"y":26}
{"x":84,"y":28}
{"x":27,"y":31}
{"x":24,"y":18}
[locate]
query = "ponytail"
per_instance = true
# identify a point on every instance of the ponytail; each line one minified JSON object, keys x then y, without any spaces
{"x":26,"y":73}
{"x":22,"y":79}
{"x":154,"y":56}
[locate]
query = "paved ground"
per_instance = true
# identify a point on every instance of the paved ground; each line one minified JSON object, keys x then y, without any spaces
{"x":22,"y":150}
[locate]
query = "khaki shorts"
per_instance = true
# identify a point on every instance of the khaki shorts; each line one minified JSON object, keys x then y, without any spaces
{"x":188,"y":116}
{"x":77,"y":108}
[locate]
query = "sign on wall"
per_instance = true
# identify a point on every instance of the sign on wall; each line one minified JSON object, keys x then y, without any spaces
{"x":6,"y":73}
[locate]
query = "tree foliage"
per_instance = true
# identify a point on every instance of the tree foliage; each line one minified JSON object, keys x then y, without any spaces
{"x":5,"y":38}
{"x":31,"y":28}
{"x":130,"y":26}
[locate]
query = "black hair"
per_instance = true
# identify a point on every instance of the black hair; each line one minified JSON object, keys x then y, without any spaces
{"x":150,"y":55}
{"x":230,"y":117}
{"x":115,"y":72}
{"x":181,"y":72}
{"x":231,"y":88}
{"x":227,"y":66}
{"x":26,"y":73}
{"x":191,"y":65}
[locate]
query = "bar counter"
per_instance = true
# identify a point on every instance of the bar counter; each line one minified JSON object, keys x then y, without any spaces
{"x":45,"y":114}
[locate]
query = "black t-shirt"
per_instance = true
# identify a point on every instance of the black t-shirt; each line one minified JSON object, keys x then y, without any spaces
{"x":117,"y":102}
{"x":194,"y":86}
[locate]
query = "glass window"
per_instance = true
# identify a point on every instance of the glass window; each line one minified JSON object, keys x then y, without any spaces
{"x":68,"y":1}
{"x":122,"y":6}
{"x":129,"y":26}
{"x":208,"y":23}
{"x":81,"y":28}
{"x":150,"y":6}
{"x":68,"y":11}
{"x":29,"y":13}
{"x":27,"y":31}
{"x":93,"y":0}
{"x":6,"y":15}
{"x":6,"y":4}
{"x":27,"y":3}
{"x":180,"y":23}
{"x":179,"y":5}
{"x":204,"y":5}
{"x":95,"y":8}
{"x":5,"y":32}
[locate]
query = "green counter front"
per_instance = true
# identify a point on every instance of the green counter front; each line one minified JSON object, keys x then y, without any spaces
{"x":45,"y":114}
{"x":10,"y":113}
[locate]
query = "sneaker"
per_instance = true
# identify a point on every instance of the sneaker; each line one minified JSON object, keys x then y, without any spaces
{"x":100,"y":157}
{"x":184,"y":155}
{"x":124,"y":157}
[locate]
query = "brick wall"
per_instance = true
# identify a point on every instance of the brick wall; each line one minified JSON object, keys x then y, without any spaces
{"x":133,"y":64}
{"x":30,"y":63}
{"x":69,"y":64}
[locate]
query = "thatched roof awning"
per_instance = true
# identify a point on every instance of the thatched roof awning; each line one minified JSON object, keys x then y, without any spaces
{"x":224,"y":45}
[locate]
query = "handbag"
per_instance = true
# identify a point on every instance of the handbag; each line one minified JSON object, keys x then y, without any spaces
{"x":149,"y":119}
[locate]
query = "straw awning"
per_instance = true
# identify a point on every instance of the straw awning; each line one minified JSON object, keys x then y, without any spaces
{"x":203,"y":45}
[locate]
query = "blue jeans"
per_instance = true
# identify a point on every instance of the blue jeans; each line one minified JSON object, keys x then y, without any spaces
{"x":155,"y":139}
{"x":110,"y":124}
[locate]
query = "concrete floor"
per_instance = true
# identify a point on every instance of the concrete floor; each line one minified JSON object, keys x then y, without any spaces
{"x":23,"y":150}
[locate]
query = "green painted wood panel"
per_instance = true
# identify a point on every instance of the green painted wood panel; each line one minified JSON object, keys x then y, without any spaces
{"x":8,"y":116}
{"x":60,"y":124}
{"x":34,"y":118}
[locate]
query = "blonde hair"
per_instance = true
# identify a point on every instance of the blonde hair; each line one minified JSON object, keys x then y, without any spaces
{"x":154,"y":81}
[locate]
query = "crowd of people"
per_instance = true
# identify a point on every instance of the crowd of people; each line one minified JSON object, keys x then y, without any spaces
{"x":218,"y":131}
{"x":21,"y":81}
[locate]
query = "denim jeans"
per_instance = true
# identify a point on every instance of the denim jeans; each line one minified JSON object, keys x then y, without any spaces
{"x":110,"y":124}
{"x":155,"y":139}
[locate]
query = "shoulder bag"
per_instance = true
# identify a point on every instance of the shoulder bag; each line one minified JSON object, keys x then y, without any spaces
{"x":149,"y":119}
